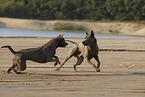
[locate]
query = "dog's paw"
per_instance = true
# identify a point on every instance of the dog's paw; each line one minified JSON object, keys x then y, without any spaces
{"x":76,"y":70}
{"x":8,"y":71}
{"x":98,"y":70}
{"x":55,"y":64}
{"x":57,"y":69}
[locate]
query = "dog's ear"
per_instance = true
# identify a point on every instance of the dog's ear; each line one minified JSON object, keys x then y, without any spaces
{"x":92,"y":33}
{"x":87,"y":33}
{"x":59,"y":34}
{"x":62,"y":34}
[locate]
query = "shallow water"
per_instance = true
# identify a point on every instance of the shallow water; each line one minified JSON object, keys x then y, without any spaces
{"x":37,"y":33}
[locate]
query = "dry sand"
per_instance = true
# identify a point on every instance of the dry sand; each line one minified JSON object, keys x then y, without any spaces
{"x":123,"y":28}
{"x":122,"y":73}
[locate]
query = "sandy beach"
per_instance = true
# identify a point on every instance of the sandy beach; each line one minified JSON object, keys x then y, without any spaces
{"x":112,"y":27}
{"x":122,"y":73}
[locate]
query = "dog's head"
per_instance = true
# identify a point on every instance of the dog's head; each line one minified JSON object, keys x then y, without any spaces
{"x":89,"y":39}
{"x":61,"y":41}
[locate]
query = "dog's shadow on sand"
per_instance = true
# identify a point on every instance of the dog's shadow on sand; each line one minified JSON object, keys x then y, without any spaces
{"x":86,"y":73}
{"x":81,"y":73}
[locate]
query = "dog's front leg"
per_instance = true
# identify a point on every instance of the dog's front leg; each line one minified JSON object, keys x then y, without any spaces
{"x":97,"y":59}
{"x":93,"y":65}
{"x":57,"y":62}
{"x":53,"y":59}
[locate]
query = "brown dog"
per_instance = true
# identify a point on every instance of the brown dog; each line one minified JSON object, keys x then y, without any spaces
{"x":43,"y":54}
{"x":87,"y":49}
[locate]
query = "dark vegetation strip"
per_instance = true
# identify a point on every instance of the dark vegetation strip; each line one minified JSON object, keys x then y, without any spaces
{"x":128,"y":50}
{"x":122,"y":10}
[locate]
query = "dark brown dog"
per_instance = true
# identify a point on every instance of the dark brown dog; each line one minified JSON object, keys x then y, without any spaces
{"x":87,"y":49}
{"x":43,"y":54}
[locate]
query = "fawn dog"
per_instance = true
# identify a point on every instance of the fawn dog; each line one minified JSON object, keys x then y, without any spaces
{"x":87,"y":49}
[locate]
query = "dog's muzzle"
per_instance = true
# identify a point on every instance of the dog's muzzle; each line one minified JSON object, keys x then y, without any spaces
{"x":84,"y":43}
{"x":66,"y":44}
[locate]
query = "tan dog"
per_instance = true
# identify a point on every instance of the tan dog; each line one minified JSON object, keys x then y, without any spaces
{"x":87,"y":49}
{"x":43,"y":54}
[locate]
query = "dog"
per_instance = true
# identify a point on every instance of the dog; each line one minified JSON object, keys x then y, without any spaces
{"x":87,"y":49}
{"x":43,"y":54}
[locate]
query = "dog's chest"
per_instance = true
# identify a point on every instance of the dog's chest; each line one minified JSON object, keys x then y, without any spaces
{"x":91,"y":51}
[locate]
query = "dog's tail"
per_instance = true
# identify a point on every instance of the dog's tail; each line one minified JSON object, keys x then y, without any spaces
{"x":71,"y":41}
{"x":9,"y":49}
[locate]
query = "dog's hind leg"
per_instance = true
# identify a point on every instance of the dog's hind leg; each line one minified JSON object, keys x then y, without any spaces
{"x":71,"y":53}
{"x":9,"y":70}
{"x":12,"y":67}
{"x":79,"y":61}
{"x":16,"y":71}
{"x":63,"y":63}
{"x":21,"y":65}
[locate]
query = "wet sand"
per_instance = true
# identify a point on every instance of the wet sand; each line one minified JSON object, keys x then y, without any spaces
{"x":122,"y":73}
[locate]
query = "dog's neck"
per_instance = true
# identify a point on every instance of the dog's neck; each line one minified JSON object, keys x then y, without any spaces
{"x":52,"y":44}
{"x":94,"y":45}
